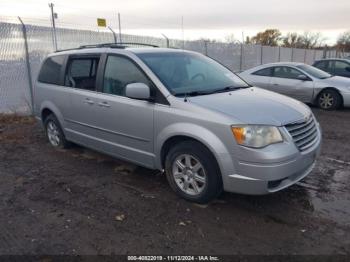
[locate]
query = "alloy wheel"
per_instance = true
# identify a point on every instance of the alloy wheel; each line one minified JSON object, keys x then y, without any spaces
{"x":53,"y":133}
{"x":189,"y":174}
{"x":326,"y":100}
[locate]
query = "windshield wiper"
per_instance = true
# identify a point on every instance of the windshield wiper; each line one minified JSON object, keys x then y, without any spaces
{"x":227,"y":88}
{"x":193,"y":93}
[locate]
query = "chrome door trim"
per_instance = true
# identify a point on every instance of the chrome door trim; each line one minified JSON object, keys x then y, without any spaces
{"x":107,"y":130}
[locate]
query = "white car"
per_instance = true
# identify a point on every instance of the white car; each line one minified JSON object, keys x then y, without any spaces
{"x":303,"y":82}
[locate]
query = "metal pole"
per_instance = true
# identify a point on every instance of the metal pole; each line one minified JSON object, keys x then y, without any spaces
{"x":53,"y":26}
{"x":292,"y":54}
{"x":114,"y":34}
{"x":183,"y":34}
{"x":167,"y":40}
{"x":29,"y":72}
{"x":279,"y":54}
{"x":261,"y":54}
{"x":241,"y":60}
{"x":314,"y":55}
{"x":120,"y":29}
{"x":206,"y":47}
{"x":305,"y":56}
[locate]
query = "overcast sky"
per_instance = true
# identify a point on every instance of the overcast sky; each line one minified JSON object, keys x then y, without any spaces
{"x":202,"y":18}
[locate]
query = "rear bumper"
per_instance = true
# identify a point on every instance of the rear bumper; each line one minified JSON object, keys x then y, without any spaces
{"x":258,"y":178}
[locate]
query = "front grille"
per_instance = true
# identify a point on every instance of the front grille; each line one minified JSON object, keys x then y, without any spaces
{"x":304,"y":133}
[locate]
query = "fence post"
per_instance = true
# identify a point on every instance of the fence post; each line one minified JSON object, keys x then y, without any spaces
{"x":314,"y":55}
{"x":29,"y":71}
{"x":279,"y":53}
{"x":292,"y":54}
{"x":305,"y":50}
{"x":167,"y":40}
{"x":241,"y":60}
{"x":261,"y":54}
{"x":114,"y":35}
{"x":206,"y":47}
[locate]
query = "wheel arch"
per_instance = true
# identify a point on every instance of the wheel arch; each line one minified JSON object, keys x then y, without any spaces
{"x":329,"y":88}
{"x":48,"y":108}
{"x":191,"y":132}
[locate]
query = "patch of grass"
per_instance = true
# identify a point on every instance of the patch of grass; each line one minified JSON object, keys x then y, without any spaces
{"x":15,"y":119}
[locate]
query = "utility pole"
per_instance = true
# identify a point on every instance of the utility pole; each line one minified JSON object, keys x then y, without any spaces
{"x":53,"y":16}
{"x":120,"y":29}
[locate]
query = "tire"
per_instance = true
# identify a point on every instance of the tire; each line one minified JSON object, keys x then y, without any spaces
{"x":197,"y":183}
{"x":329,"y":99}
{"x":54,"y":132}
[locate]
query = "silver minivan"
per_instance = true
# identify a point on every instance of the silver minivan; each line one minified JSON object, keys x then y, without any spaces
{"x":180,"y":112}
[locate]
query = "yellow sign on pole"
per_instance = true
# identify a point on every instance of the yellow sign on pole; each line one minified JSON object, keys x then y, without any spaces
{"x":101,"y":22}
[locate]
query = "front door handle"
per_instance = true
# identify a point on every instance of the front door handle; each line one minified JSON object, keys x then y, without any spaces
{"x":104,"y":104}
{"x":89,"y":101}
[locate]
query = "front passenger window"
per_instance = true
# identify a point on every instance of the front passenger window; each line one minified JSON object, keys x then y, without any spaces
{"x":120,"y":72}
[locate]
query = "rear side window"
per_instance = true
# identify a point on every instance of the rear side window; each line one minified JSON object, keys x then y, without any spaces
{"x":81,"y":73}
{"x":50,"y":72}
{"x":323,"y":65}
{"x":264,"y":72}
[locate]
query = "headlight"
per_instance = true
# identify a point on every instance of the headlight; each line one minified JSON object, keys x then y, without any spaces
{"x":256,"y":136}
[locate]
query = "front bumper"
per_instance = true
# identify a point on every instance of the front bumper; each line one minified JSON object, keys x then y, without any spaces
{"x":258,"y":178}
{"x":346,"y":99}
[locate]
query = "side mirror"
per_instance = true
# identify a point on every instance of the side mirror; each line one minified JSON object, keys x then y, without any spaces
{"x":138,"y":91}
{"x":303,"y":77}
{"x":347,"y":68}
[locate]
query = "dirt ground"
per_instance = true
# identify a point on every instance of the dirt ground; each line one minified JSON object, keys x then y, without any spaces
{"x":77,"y":201}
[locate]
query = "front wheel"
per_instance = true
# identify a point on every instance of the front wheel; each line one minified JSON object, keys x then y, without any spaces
{"x":329,"y":100}
{"x":193,"y":173}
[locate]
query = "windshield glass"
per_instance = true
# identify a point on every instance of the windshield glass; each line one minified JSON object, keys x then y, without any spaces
{"x":315,"y":72}
{"x":185,"y":73}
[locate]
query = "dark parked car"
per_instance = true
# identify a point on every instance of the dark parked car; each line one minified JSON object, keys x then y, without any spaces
{"x":334,"y":66}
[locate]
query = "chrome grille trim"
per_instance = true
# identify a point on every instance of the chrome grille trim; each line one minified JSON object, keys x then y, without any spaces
{"x":304,"y":134}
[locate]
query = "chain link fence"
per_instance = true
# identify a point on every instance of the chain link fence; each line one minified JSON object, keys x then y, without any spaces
{"x":16,"y":63}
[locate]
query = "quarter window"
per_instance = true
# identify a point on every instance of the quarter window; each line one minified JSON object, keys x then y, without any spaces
{"x":286,"y":72}
{"x":81,"y":73}
{"x":264,"y":72}
{"x":50,"y":72}
{"x":120,"y":72}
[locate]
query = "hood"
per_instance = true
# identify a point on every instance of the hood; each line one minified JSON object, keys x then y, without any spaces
{"x":337,"y":81}
{"x":255,"y":106}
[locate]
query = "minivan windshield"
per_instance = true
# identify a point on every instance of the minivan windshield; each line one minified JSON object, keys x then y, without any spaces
{"x":315,"y":72}
{"x":184,"y":73}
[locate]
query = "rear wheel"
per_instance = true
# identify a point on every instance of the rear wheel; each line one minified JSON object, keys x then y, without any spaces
{"x":329,"y":99}
{"x":193,"y":173}
{"x":54,"y":132}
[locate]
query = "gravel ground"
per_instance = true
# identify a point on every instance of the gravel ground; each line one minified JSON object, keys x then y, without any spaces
{"x":78,"y":201}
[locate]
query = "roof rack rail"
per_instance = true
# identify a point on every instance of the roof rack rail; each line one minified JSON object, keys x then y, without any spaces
{"x":111,"y":45}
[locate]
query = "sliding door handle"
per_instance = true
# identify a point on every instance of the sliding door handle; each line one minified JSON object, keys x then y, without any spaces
{"x":89,"y":101}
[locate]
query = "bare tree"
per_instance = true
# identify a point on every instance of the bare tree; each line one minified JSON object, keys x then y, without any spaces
{"x":343,"y":42}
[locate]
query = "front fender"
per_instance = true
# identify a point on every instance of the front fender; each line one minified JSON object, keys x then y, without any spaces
{"x":199,"y":133}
